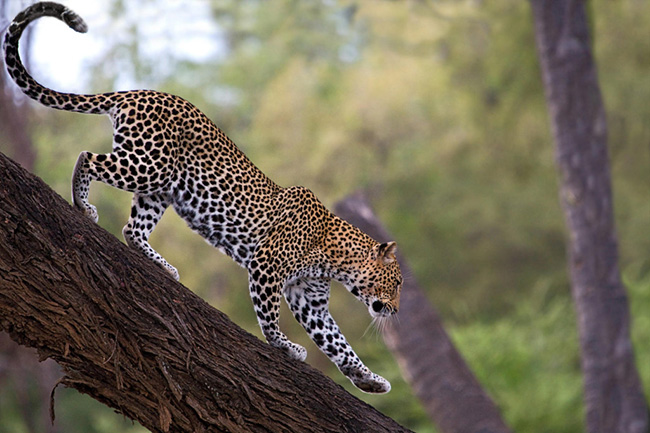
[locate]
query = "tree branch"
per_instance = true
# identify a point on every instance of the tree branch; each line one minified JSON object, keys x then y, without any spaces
{"x":130,"y":336}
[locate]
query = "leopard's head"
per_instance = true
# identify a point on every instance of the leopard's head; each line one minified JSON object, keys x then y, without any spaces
{"x":376,"y":280}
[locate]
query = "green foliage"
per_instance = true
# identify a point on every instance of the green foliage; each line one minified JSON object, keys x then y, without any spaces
{"x":437,"y":110}
{"x":78,"y":413}
{"x":638,"y":284}
{"x":529,"y":362}
{"x":622,"y":56}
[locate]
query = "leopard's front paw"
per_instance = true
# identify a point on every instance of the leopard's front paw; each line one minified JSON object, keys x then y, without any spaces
{"x":369,"y":382}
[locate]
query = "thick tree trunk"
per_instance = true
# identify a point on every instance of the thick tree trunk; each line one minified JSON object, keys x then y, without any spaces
{"x":130,"y":336}
{"x":439,"y":376}
{"x":613,"y":392}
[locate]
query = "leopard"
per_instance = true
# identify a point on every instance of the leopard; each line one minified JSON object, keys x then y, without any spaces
{"x":169,"y":154}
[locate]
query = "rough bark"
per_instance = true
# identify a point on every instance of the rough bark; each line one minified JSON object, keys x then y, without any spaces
{"x":613,"y":393}
{"x":448,"y":390}
{"x":130,"y":336}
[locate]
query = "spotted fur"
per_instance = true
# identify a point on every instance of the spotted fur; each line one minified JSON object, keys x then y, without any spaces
{"x":168,"y":153}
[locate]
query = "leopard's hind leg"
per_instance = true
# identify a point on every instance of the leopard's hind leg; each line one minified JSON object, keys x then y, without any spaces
{"x":130,"y":168}
{"x":81,"y":177}
{"x":132,"y":171}
{"x":146,"y":211}
{"x":115,"y":169}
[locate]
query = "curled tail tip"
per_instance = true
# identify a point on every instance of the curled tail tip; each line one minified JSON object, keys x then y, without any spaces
{"x":51,"y":9}
{"x":74,"y":21}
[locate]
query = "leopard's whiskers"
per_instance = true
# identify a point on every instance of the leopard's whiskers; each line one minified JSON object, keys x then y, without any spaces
{"x":369,"y":327}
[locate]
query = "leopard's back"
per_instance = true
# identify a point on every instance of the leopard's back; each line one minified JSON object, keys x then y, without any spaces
{"x":172,"y":148}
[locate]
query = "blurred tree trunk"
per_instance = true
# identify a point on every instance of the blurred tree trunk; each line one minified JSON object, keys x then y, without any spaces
{"x":613,"y":393}
{"x":14,"y":111}
{"x":14,"y":135}
{"x":21,"y":375}
{"x":439,"y":376}
{"x":131,"y":337}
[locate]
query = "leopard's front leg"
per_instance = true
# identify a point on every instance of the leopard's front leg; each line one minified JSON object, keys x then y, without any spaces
{"x":265,"y":292}
{"x":308,"y":300}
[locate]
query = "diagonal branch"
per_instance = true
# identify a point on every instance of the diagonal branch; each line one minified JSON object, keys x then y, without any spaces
{"x":131,"y":337}
{"x":438,"y":374}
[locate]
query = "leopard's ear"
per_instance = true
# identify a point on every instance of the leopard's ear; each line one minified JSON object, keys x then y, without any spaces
{"x":385,"y":253}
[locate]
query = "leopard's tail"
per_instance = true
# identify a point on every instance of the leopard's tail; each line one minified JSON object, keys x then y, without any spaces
{"x":64,"y":101}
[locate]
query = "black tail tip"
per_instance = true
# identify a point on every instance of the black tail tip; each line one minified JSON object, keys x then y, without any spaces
{"x":74,"y":21}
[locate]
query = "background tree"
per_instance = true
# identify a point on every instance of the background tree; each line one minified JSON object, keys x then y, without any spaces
{"x":613,"y":392}
{"x":20,"y":372}
{"x":14,"y":110}
{"x":439,"y":376}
